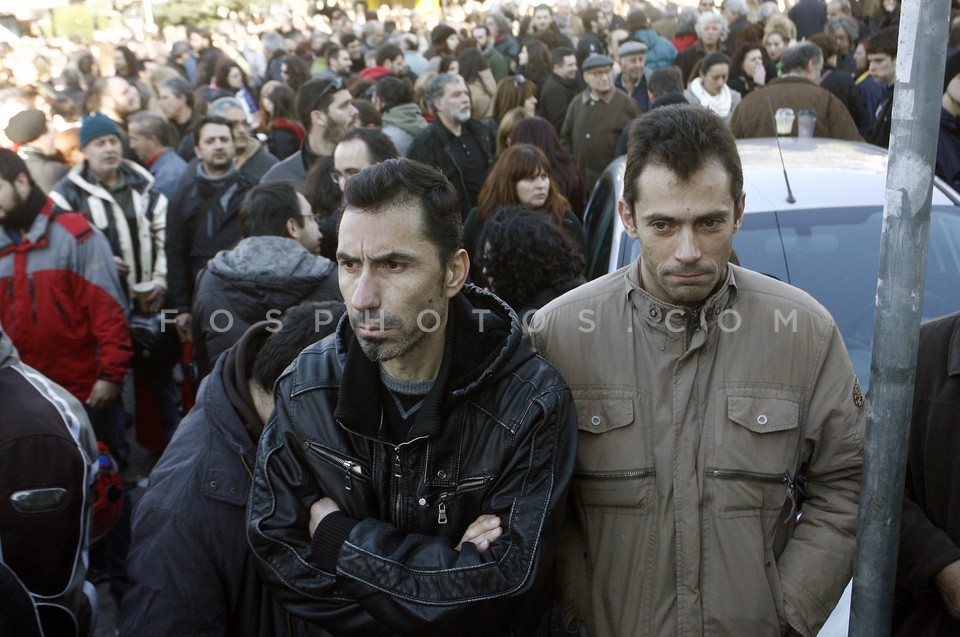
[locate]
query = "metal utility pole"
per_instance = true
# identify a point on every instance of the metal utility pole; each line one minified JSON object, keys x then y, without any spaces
{"x":903,"y":258}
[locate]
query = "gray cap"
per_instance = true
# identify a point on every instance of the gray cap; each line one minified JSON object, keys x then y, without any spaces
{"x":179,"y":48}
{"x":596,"y":60}
{"x":631,"y":48}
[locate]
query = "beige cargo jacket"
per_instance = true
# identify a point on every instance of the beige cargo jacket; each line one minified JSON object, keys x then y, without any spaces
{"x":692,"y":428}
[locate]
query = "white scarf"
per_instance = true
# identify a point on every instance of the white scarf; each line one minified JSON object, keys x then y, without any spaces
{"x":719,"y":103}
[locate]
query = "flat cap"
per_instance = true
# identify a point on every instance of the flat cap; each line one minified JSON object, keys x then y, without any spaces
{"x":26,"y":126}
{"x":595,"y":60}
{"x":631,"y":48}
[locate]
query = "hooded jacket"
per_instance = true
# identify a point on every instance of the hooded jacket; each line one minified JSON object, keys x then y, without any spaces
{"x":190,"y":570}
{"x":75,"y":193}
{"x":44,"y":536}
{"x":401,"y":124}
{"x":61,"y":302}
{"x":256,"y":281}
{"x":494,"y":435}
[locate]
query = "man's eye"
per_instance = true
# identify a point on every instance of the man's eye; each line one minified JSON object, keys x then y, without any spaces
{"x":394,"y":266}
{"x":660,"y":225}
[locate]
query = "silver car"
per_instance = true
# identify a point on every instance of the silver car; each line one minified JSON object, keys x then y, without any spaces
{"x":826,"y":243}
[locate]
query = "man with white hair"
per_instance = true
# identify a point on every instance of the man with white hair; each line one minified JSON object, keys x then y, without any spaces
{"x":711,"y":30}
{"x":735,"y":11}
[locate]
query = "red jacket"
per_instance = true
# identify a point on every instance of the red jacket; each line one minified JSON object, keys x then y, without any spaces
{"x":61,"y":302}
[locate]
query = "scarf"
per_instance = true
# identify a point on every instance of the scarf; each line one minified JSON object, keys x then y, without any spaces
{"x":719,"y":103}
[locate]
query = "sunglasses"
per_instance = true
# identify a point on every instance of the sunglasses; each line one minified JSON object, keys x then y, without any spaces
{"x":333,"y":85}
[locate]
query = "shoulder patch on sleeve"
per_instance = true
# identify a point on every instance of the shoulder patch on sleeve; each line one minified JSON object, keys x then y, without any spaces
{"x":858,"y":398}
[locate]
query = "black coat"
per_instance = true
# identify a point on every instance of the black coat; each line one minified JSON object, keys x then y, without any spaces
{"x":496,"y":434}
{"x":190,"y":569}
{"x":844,"y":86}
{"x":930,"y":531}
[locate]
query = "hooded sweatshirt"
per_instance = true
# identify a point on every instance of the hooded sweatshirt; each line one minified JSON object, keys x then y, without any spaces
{"x":255,"y":281}
{"x":402,"y":123}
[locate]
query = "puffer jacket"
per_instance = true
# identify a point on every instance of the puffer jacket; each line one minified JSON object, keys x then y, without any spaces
{"x":76,"y":192}
{"x":494,"y":435}
{"x":256,"y":281}
{"x":402,"y":123}
{"x":693,"y":425}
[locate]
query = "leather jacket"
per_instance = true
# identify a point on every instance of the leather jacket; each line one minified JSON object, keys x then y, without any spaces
{"x":496,"y":435}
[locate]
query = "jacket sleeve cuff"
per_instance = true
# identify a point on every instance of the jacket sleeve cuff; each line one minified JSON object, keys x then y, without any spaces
{"x":329,"y":536}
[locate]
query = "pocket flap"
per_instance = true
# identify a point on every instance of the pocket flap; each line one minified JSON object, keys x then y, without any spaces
{"x":763,"y":415}
{"x":600,"y":416}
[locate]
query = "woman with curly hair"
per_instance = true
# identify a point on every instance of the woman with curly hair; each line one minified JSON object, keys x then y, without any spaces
{"x":541,"y":133}
{"x":521,"y":177}
{"x":528,"y":261}
{"x":228,"y":76}
{"x":746,"y":69}
{"x":778,"y":34}
{"x":283,"y":132}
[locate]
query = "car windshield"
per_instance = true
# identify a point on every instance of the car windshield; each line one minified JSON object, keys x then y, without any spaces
{"x":833,"y":254}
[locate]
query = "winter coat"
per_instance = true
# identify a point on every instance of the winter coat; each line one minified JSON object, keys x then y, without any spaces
{"x":494,"y":435}
{"x":75,"y":193}
{"x":482,"y":91}
{"x":255,"y":281}
{"x":557,"y":95}
{"x":48,"y":447}
{"x":190,"y":570}
{"x":401,"y":124}
{"x":195,"y":233}
{"x":284,"y":138}
{"x":61,"y":302}
{"x":948,"y":149}
{"x":683,"y":498}
{"x":752,"y":117}
{"x":167,"y":170}
{"x":930,"y":531}
{"x":46,"y":171}
{"x":592,"y":129}
{"x":660,"y":51}
{"x":842,"y":84}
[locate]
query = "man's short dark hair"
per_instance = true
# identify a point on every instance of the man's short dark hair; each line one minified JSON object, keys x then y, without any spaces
{"x":682,"y":139}
{"x":394,"y":91}
{"x":266,"y":208}
{"x":387,"y":52}
{"x":347,"y":39}
{"x":379,"y":146}
{"x":302,"y":326}
{"x":209,"y":119}
{"x":402,"y":181}
{"x":558,"y":55}
{"x":799,"y":56}
{"x":179,"y":87}
{"x":309,"y":98}
{"x":664,"y":81}
{"x":543,"y":6}
{"x":883,"y":41}
{"x":153,"y":125}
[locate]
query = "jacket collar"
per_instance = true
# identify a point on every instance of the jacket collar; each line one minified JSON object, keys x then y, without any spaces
{"x":662,"y":315}
{"x":483,"y":342}
{"x":137,"y":176}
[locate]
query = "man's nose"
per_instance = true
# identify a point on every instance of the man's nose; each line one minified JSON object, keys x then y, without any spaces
{"x":688,"y":249}
{"x":366,"y":296}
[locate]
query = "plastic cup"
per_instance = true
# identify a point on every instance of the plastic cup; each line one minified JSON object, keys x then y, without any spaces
{"x":784,"y":119}
{"x":143,"y":290}
{"x":806,"y":122}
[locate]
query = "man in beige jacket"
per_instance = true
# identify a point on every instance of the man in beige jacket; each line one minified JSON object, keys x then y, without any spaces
{"x":702,"y":389}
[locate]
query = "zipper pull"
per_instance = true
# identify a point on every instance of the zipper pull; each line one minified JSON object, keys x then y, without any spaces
{"x":793,"y":500}
{"x":346,"y":469}
{"x":442,"y":512}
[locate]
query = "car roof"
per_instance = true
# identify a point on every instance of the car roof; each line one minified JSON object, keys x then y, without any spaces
{"x":823,"y":173}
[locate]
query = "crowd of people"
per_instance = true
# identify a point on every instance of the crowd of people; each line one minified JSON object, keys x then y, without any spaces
{"x":168,"y":203}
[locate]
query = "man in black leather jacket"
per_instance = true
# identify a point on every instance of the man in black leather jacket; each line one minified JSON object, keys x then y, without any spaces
{"x":412,"y":478}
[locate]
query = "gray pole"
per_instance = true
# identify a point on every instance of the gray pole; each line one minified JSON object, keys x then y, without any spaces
{"x":903,"y":257}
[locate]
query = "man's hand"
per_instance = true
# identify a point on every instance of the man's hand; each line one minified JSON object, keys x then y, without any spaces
{"x":123,"y":268}
{"x":183,"y":321}
{"x":948,"y":583}
{"x":103,"y":393}
{"x":321,"y":509}
{"x":156,"y":299}
{"x":482,"y":532}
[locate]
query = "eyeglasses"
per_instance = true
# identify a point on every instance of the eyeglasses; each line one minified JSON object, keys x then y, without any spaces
{"x":333,"y":85}
{"x":336,"y":175}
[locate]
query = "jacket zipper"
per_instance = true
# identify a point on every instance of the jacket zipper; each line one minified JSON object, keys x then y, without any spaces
{"x":693,"y":321}
{"x":350,"y":468}
{"x":33,"y":299}
{"x":753,"y":476}
{"x":463,"y":487}
{"x":615,"y":475}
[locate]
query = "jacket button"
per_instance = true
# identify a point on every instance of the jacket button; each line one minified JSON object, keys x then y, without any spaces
{"x":588,"y":135}
{"x":422,"y":502}
{"x":595,"y":421}
{"x":214,"y":484}
{"x":761,"y":419}
{"x":442,"y":474}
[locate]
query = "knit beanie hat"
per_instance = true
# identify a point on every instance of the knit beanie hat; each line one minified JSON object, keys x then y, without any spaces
{"x":26,"y":126}
{"x":96,"y":125}
{"x":11,"y":165}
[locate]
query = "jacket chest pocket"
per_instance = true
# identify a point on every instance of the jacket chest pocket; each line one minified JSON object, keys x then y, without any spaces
{"x":344,"y":479}
{"x":614,"y":467}
{"x":756,"y":438}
